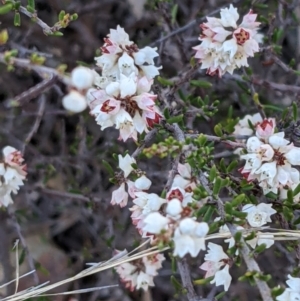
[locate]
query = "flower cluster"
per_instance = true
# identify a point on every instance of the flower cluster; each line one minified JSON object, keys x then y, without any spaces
{"x":165,"y":219}
{"x":139,"y":273}
{"x":270,"y":159}
{"x":121,"y":96}
{"x":225,"y":44}
{"x":292,"y":293}
{"x":13,"y":172}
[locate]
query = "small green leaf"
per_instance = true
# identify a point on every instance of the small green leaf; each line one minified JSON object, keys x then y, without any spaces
{"x":295,"y":111}
{"x":108,"y":167}
{"x":239,"y":214}
{"x":175,"y":119}
{"x":201,"y":84}
{"x":220,"y":295}
{"x":166,"y":113}
{"x":6,"y":8}
{"x":177,"y":285}
{"x":164,"y":81}
{"x":213,"y":174}
{"x":217,"y":186}
{"x":296,"y":190}
{"x":22,"y":257}
{"x":57,"y":34}
{"x":228,"y":208}
{"x":31,"y":3}
{"x":174,"y":13}
{"x":218,"y":130}
{"x":61,"y":15}
{"x":260,"y":248}
{"x":238,"y":200}
{"x":232,"y":166}
{"x":208,"y":214}
{"x":17,"y":19}
{"x":74,"y":17}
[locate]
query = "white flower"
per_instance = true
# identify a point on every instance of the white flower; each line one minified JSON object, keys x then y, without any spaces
{"x":259,"y":215}
{"x":223,"y":277}
{"x":82,"y":78}
{"x":125,"y":164}
{"x":12,"y":174}
{"x":225,"y":45}
{"x":120,"y":196}
{"x":139,"y":273}
{"x":120,"y":56}
{"x":292,"y":293}
{"x":189,"y":237}
{"x":74,"y":102}
{"x":242,"y":127}
{"x":154,"y":223}
{"x":215,"y":258}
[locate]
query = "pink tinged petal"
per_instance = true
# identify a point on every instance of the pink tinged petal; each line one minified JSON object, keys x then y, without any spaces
{"x":220,"y":34}
{"x":139,"y":123}
{"x":131,"y":188}
{"x":209,"y":267}
{"x":120,"y":196}
{"x":293,"y":156}
{"x":251,"y":47}
{"x":144,"y":85}
{"x":184,"y":170}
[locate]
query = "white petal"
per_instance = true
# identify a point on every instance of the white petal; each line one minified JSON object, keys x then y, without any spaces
{"x":74,"y":102}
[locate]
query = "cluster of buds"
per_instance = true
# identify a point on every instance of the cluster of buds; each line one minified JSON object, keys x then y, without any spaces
{"x":270,"y":159}
{"x":12,"y":172}
{"x":139,"y":273}
{"x":121,"y":96}
{"x":225,"y":45}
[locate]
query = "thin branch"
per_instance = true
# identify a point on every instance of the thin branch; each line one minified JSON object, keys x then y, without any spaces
{"x":185,"y":275}
{"x":35,"y":91}
{"x":42,"y":70}
{"x":46,"y":28}
{"x":252,"y":265}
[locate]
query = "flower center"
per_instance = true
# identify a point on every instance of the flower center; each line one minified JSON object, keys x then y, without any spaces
{"x":279,"y":157}
{"x":242,"y":36}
